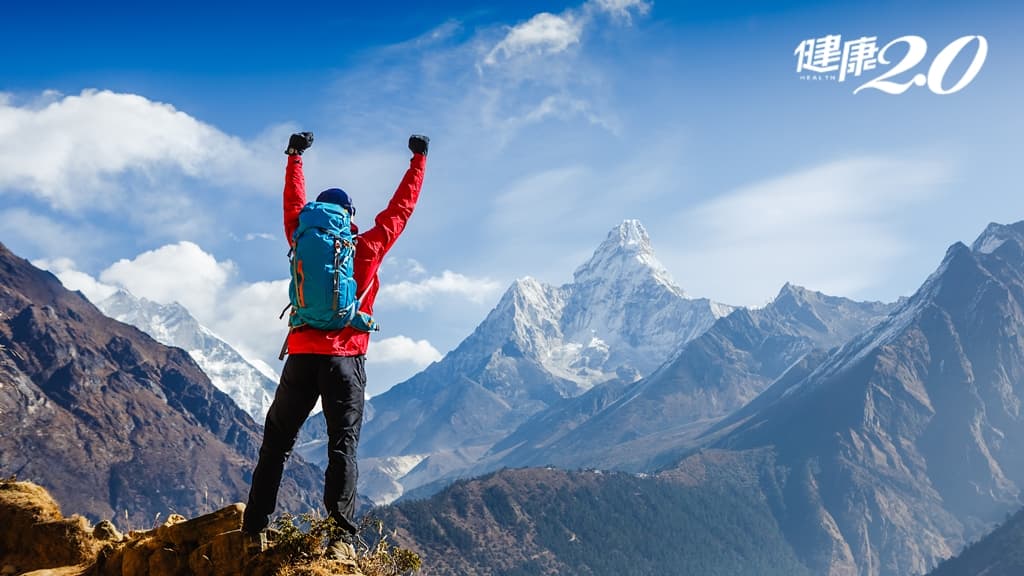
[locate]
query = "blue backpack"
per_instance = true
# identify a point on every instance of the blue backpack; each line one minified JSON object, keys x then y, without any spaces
{"x":322,"y":289}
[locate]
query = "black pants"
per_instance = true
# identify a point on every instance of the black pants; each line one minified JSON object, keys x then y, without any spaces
{"x":340,"y":381}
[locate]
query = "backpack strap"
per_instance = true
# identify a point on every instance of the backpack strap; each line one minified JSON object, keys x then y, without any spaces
{"x":284,"y":345}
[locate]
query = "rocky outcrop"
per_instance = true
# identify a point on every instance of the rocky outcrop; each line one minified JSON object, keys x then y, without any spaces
{"x":34,"y":535}
{"x":36,"y":540}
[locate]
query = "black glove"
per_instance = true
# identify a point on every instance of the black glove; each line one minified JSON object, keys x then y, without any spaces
{"x":419,"y":144}
{"x":298,"y":143}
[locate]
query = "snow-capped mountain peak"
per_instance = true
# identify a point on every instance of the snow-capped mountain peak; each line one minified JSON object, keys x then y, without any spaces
{"x":632,"y":235}
{"x":625,"y":255}
{"x":617,"y":320}
{"x":620,"y":312}
{"x":172,"y":325}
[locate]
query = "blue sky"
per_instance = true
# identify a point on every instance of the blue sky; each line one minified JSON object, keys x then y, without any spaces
{"x":141,"y":147}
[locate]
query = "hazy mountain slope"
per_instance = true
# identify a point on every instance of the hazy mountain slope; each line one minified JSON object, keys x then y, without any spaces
{"x":1000,"y":553}
{"x":546,"y":521}
{"x":905,"y":442}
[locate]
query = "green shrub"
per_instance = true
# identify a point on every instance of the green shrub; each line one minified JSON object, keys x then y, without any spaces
{"x":303,"y":539}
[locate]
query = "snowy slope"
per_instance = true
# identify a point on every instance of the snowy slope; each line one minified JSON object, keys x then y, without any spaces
{"x":172,"y":325}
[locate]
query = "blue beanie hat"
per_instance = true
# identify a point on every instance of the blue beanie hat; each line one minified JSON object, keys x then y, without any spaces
{"x":339,"y":197}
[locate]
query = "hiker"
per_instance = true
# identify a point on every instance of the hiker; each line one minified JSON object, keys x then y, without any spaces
{"x":327,"y":363}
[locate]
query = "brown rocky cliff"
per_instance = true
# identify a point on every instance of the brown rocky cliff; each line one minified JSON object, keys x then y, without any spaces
{"x":36,"y":540}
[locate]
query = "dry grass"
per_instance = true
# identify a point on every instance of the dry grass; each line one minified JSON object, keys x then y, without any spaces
{"x":36,"y":535}
{"x":320,"y":567}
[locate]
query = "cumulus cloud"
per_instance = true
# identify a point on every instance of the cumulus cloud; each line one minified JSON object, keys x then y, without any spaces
{"x":81,"y":143}
{"x":248,"y":318}
{"x":245,"y":314}
{"x":833,"y":227}
{"x":72,"y":279}
{"x":402,"y":349}
{"x":420,"y":294}
{"x":180,"y":272}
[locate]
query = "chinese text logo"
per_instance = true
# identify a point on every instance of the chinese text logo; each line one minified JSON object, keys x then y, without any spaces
{"x":830,"y":58}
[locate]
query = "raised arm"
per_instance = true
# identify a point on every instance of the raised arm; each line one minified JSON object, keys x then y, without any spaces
{"x":295,"y":181}
{"x":390,"y":223}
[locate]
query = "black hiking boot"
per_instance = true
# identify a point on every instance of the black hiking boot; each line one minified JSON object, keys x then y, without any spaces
{"x":261,"y":541}
{"x":256,"y":543}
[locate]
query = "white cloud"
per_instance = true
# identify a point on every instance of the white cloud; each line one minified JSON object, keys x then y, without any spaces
{"x":405,"y":267}
{"x":259,"y":236}
{"x":69,"y":150}
{"x":421,"y":294}
{"x":180,"y":272}
{"x":65,"y":270}
{"x":248,"y":318}
{"x":532,"y":73}
{"x":547,"y":34}
{"x":544,"y":33}
{"x":555,"y":106}
{"x":399,"y":349}
{"x":622,"y":9}
{"x":834,"y":227}
{"x":415,"y":267}
{"x":245,"y":314}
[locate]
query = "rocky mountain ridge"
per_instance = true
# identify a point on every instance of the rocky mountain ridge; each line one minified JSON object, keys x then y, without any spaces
{"x":904,"y":443}
{"x":878,"y":457}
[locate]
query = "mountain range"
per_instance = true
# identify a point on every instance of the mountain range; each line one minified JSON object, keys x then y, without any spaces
{"x":850,"y":438}
{"x":878,"y":456}
{"x":904,"y":443}
{"x":701,"y":360}
{"x":619,"y":318}
{"x":642,"y":426}
{"x":112,"y":422}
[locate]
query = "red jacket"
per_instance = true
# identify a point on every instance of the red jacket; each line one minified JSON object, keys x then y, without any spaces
{"x":371,"y":247}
